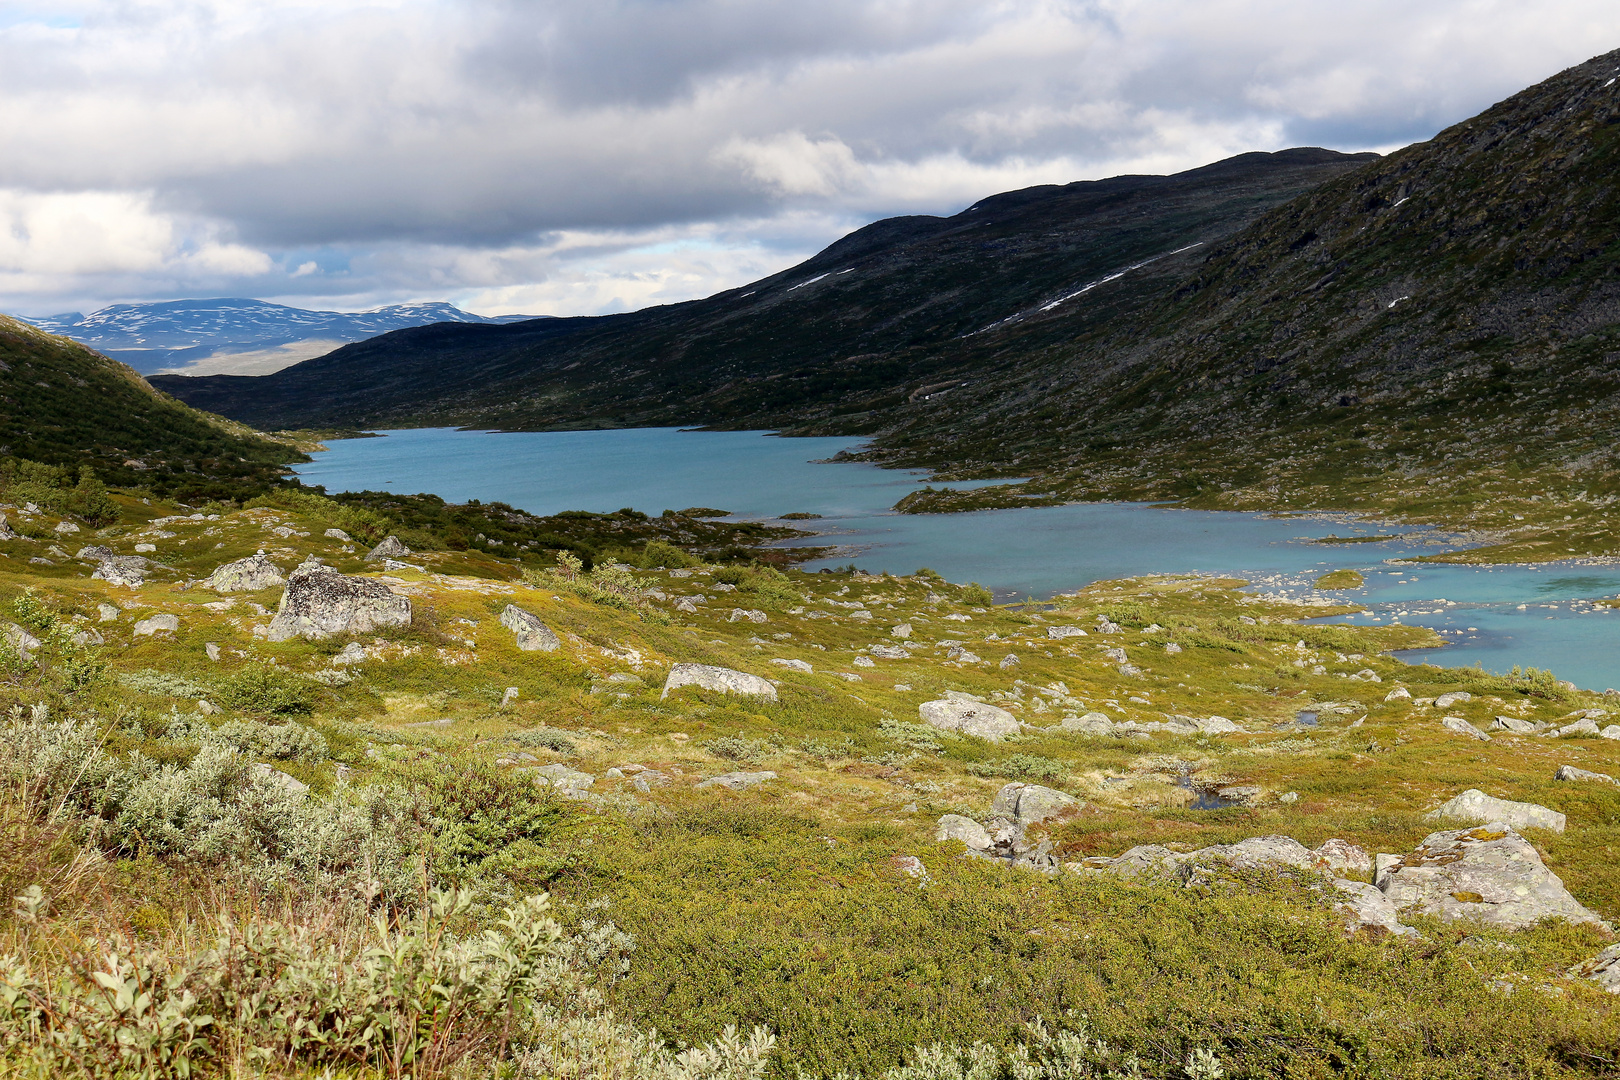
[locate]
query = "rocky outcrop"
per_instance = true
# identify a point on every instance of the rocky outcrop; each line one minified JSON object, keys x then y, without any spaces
{"x":128,"y":571}
{"x":246,"y":575}
{"x":1491,"y":874}
{"x":1365,"y":906}
{"x":390,"y":548}
{"x":1474,"y":805}
{"x":889,"y":652}
{"x":1058,"y":633}
{"x":970,"y":718}
{"x":737,"y":781}
{"x":1030,"y":804}
{"x":747,"y":615}
{"x":320,"y":603}
{"x":94,"y":552}
{"x":532,"y":634}
{"x":723,"y":679}
{"x":1455,"y":697}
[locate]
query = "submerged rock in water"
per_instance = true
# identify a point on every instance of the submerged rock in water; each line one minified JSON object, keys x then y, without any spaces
{"x":319,"y":603}
{"x":970,"y":718}
{"x":246,"y":575}
{"x":711,"y":677}
{"x":532,"y":634}
{"x":1474,"y":805}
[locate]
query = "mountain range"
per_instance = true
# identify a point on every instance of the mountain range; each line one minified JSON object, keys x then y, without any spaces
{"x":237,"y":334}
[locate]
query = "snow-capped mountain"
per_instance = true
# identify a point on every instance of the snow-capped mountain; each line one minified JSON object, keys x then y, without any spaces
{"x":237,"y":335}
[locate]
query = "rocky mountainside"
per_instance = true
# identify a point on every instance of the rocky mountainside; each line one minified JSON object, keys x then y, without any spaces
{"x":169,"y":335}
{"x":844,"y":339}
{"x":62,"y":404}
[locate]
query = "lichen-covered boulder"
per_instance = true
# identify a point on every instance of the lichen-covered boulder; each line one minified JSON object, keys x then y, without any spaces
{"x":1463,"y":727}
{"x":126,"y":570}
{"x":737,"y":781}
{"x":246,"y":575}
{"x":95,"y":553}
{"x":1476,"y":806}
{"x":1030,"y":804}
{"x":319,"y":603}
{"x":965,"y":829}
{"x":712,"y":677}
{"x":157,"y":624}
{"x":969,"y":718}
{"x":1364,"y":906}
{"x":1490,"y":873}
{"x":532,"y":634}
{"x":390,"y":548}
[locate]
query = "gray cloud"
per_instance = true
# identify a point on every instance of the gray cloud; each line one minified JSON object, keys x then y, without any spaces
{"x":589,"y":155}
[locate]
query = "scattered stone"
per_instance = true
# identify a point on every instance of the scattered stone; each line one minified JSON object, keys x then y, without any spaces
{"x":902,"y":631}
{"x":510,"y":696}
{"x":899,"y":687}
{"x":1057,"y":633}
{"x":725,"y":680}
{"x":320,"y":602}
{"x":245,"y":575}
{"x":1010,"y":660}
{"x":1513,"y":724}
{"x":1117,"y":655}
{"x":793,"y":665}
{"x":157,"y":624}
{"x":1570,"y":772}
{"x":338,"y":534}
{"x":737,"y":781}
{"x":352,"y":653}
{"x":889,"y":652}
{"x":107,"y":612}
{"x":1400,"y":693}
{"x":1490,"y":873}
{"x":1583,"y":726}
{"x":970,"y":718}
{"x":1603,"y":969}
{"x":66,"y":528}
{"x":390,"y":548}
{"x":1288,"y":797}
{"x":280,"y":779}
{"x":965,"y":829}
{"x":687,"y":605}
{"x":566,"y":779}
{"x":1455,"y":697}
{"x":145,"y":548}
{"x":95,"y":553}
{"x":128,"y":571}
{"x":212,"y":649}
{"x":207,"y":708}
{"x":20,"y":640}
{"x":1475,"y":805}
{"x":746,"y":615}
{"x":961,"y":655}
{"x":1105,"y":626}
{"x":532,"y":634}
{"x":911,"y":866}
{"x":1463,"y":727}
{"x":1030,"y":804}
{"x":88,"y":637}
{"x":1171,"y":647}
{"x":1611,"y":732}
{"x":1093,"y":723}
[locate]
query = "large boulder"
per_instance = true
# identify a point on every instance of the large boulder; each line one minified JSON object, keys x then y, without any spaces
{"x":965,"y":829}
{"x":391,"y":548}
{"x":711,"y":677}
{"x":1030,"y":804}
{"x":532,"y":634}
{"x":970,"y":718}
{"x":319,"y":602}
{"x":246,"y":575}
{"x":126,"y":570}
{"x":1476,"y":806}
{"x":1491,"y":874}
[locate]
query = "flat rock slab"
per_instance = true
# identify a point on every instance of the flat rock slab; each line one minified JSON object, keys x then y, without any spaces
{"x":245,"y":575}
{"x":1030,"y":804}
{"x":157,"y":624}
{"x":794,"y":665}
{"x":532,"y":634}
{"x":1490,"y":873}
{"x":970,"y":718}
{"x":319,"y":603}
{"x":1365,"y":906}
{"x":736,"y":781}
{"x":889,"y":652}
{"x":724,"y":679}
{"x":1570,"y":772}
{"x":1474,"y":805}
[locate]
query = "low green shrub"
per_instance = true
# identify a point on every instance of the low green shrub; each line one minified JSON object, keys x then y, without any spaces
{"x":263,"y":688}
{"x":481,"y":810}
{"x":737,"y":748}
{"x":913,"y":736}
{"x":1020,"y":767}
{"x":162,"y":684}
{"x":283,"y":742}
{"x":544,"y":738}
{"x":977,"y":595}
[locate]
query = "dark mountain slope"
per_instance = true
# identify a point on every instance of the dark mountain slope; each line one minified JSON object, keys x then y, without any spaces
{"x":856,"y":330}
{"x":62,"y":404}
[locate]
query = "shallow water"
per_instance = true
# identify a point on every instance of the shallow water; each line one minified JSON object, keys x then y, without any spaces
{"x":1036,"y":551}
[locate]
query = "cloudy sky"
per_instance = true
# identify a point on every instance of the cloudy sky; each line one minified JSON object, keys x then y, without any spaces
{"x":585,"y":156}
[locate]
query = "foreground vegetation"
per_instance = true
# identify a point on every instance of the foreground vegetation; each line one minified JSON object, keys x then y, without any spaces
{"x":184,"y":906}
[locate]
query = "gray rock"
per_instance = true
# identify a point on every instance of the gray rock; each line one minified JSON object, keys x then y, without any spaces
{"x":1010,"y":660}
{"x":1513,"y":724}
{"x":965,"y":829}
{"x":1093,"y":723}
{"x":65,"y":528}
{"x":532,"y":634}
{"x":1105,"y":626}
{"x":319,"y":602}
{"x":1603,"y":969}
{"x":961,"y":655}
{"x":128,"y":571}
{"x":1343,"y":857}
{"x":1584,"y":726}
{"x":245,"y":575}
{"x":212,"y":649}
{"x":1202,"y":866}
{"x":1367,"y":907}
{"x":889,"y":652}
{"x":1216,"y":725}
{"x":686,"y":604}
{"x":1455,"y":697}
{"x":901,"y":631}
{"x":1400,"y":693}
{"x":1475,"y":805}
{"x":1147,"y":861}
{"x":20,"y":640}
{"x":970,"y":718}
{"x":157,"y":624}
{"x":1490,"y":873}
{"x":338,"y":534}
{"x":280,"y":779}
{"x":725,"y":680}
{"x":566,"y":779}
{"x":1463,"y":727}
{"x":1171,"y":647}
{"x":352,"y":653}
{"x":1117,"y":655}
{"x":390,"y":548}
{"x":1129,"y":670}
{"x":746,"y":615}
{"x":87,"y":637}
{"x":736,"y":781}
{"x":1030,"y":804}
{"x":1570,"y":772}
{"x":1058,"y":633}
{"x":107,"y":612}
{"x":793,"y":665}
{"x":95,"y":553}
{"x":911,"y":866}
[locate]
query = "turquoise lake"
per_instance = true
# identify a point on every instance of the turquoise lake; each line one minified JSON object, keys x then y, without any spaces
{"x":1534,"y":616}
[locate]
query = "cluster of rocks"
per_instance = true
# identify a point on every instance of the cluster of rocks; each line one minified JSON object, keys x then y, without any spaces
{"x":1016,"y":806}
{"x":1586,"y":725}
{"x":1096,"y":723}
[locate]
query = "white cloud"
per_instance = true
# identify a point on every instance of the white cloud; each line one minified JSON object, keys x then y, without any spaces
{"x":589,"y":155}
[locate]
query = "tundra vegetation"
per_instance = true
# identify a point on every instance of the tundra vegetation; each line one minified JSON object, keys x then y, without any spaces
{"x":426,"y":852}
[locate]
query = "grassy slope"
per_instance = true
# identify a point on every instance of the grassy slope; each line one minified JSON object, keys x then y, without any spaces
{"x":780,"y":905}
